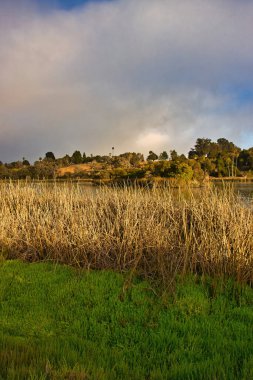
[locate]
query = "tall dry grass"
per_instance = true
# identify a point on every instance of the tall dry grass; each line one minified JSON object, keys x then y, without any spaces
{"x":158,"y":233}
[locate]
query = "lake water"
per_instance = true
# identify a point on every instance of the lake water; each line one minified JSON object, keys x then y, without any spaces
{"x":244,"y":189}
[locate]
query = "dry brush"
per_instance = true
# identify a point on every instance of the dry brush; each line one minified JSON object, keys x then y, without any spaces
{"x":157,"y":233}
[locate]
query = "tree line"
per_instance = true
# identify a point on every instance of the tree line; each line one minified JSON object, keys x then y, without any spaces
{"x":207,"y":158}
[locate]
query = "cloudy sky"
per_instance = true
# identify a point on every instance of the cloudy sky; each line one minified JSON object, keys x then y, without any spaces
{"x":138,"y":75}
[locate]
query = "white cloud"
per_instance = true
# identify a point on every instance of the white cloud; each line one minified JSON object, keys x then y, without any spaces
{"x":152,"y":139}
{"x":137,"y":75}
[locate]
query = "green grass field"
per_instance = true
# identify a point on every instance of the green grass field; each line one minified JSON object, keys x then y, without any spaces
{"x":59,"y":323}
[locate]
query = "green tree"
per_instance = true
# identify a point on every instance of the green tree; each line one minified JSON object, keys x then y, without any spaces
{"x":163,"y":156}
{"x":44,"y":169}
{"x":225,"y":145}
{"x":214,"y":150}
{"x":207,"y":165}
{"x":133,"y":158}
{"x":136,"y":158}
{"x":76,"y":157}
{"x":202,"y":146}
{"x":50,"y":156}
{"x":161,"y":168}
{"x":152,"y":156}
{"x":198,"y":173}
{"x":245,"y":159}
{"x":192,"y":154}
{"x":25,"y":162}
{"x":173,"y":155}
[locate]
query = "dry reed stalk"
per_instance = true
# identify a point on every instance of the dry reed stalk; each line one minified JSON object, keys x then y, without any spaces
{"x":156,"y":232}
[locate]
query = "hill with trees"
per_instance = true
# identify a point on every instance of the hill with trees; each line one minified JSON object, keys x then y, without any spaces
{"x":206,"y":159}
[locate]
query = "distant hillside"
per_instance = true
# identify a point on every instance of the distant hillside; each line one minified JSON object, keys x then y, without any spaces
{"x":78,"y":168}
{"x":219,"y":159}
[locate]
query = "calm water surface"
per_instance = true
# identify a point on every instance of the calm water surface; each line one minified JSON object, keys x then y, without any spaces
{"x":244,"y":189}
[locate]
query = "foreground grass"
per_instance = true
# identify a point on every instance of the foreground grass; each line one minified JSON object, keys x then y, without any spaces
{"x":59,"y":323}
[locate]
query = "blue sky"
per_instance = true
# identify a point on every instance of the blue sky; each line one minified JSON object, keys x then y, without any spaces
{"x":70,"y":4}
{"x":67,"y":4}
{"x":138,"y":75}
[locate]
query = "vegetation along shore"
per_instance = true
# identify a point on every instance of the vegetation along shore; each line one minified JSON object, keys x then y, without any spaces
{"x":206,"y":160}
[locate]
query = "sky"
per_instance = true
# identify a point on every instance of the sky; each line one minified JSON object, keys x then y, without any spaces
{"x":135,"y":75}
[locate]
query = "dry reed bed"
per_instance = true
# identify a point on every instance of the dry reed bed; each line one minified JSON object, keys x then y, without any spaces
{"x":155,"y":232}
